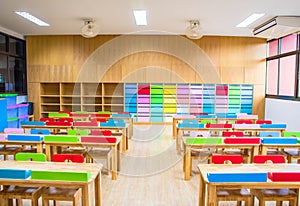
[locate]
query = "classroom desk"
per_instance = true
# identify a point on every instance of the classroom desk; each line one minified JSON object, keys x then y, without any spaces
{"x":123,"y":129}
{"x":178,"y":138}
{"x":207,"y":190}
{"x":116,"y":157}
{"x":95,"y":180}
{"x":38,"y":144}
{"x":176,"y":119}
{"x":252,"y":148}
{"x":256,"y":130}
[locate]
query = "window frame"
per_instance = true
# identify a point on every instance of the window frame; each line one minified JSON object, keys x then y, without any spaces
{"x":297,"y":68}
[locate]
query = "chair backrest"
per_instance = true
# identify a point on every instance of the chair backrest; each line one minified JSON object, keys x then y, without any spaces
{"x":101,"y":132}
{"x":263,"y":121}
{"x":40,"y":131}
{"x":243,"y":121}
{"x":291,"y":134}
{"x":14,"y":131}
{"x":261,"y":159}
{"x":78,"y":158}
{"x":27,"y":156}
{"x":221,"y":159}
{"x":233,"y":134}
{"x":81,"y":132}
{"x":269,"y":134}
{"x":66,"y":119}
{"x":47,"y":119}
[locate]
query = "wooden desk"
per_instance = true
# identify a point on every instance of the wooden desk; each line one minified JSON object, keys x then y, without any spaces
{"x":178,"y":137}
{"x":209,"y":193}
{"x":176,"y":119}
{"x":252,"y":148}
{"x":38,"y":144}
{"x":95,"y":180}
{"x":116,"y":157}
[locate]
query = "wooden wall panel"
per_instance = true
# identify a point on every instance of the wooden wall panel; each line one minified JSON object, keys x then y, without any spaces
{"x":34,"y":97}
{"x":238,"y":60}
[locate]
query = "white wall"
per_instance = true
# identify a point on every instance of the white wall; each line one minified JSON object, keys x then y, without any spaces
{"x":283,"y":111}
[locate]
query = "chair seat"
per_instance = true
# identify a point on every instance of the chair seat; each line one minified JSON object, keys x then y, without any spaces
{"x":20,"y":192}
{"x":233,"y":192}
{"x":59,"y":192}
{"x":275,"y":192}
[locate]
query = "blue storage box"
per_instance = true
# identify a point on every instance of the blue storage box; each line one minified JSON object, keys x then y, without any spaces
{"x":279,"y":140}
{"x":237,"y":177}
{"x":14,"y":173}
{"x":273,"y":126}
{"x":24,"y":137}
{"x":11,"y":99}
{"x":12,"y":111}
{"x":22,"y":109}
{"x":13,"y":123}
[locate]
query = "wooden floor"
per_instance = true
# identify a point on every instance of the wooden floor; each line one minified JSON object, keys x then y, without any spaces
{"x":151,"y":173}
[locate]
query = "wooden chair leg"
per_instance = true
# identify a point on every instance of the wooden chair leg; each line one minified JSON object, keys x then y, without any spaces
{"x":262,"y":203}
{"x":55,"y":203}
{"x":239,"y":203}
{"x":19,"y":202}
{"x":45,"y":202}
{"x":35,"y":202}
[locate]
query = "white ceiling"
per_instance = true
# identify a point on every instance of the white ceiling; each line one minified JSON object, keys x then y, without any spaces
{"x":217,"y":17}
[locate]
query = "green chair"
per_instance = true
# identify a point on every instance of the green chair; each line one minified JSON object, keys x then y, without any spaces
{"x":11,"y":192}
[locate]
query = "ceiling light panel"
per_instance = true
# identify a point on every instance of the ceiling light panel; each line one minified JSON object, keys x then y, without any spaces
{"x":31,"y":18}
{"x":140,"y":17}
{"x":252,"y":18}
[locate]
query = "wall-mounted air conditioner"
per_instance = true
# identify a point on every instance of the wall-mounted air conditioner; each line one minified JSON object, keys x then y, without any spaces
{"x":277,"y":27}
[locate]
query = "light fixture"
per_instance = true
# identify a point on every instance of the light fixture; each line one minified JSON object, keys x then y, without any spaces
{"x":193,"y":31}
{"x":252,"y":18}
{"x":140,"y":17}
{"x":89,"y":29}
{"x":31,"y":18}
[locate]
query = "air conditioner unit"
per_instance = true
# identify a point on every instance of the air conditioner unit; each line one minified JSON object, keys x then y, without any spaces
{"x":277,"y":27}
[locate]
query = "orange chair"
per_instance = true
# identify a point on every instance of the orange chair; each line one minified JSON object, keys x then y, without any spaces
{"x":278,"y":195}
{"x":63,"y":194}
{"x":238,"y":195}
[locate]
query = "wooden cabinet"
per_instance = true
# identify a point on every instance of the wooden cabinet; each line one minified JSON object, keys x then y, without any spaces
{"x":83,"y":96}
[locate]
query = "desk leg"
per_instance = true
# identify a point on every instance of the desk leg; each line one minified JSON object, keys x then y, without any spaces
{"x":85,"y":195}
{"x":255,"y":151}
{"x":201,"y":201}
{"x":48,"y":152}
{"x":124,"y":145}
{"x":131,"y":127}
{"x":119,"y":156}
{"x":174,"y":128}
{"x":178,"y":144}
{"x":39,"y":148}
{"x":98,"y":190}
{"x":114,"y":163}
{"x":263,"y":150}
{"x":187,"y":165}
{"x":212,"y":195}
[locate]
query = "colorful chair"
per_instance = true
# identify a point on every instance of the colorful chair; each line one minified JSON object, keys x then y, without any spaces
{"x":9,"y":193}
{"x":238,"y":195}
{"x":63,"y":194}
{"x":278,"y":195}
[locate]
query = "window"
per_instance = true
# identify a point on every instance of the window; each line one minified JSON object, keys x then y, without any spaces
{"x":282,"y":79}
{"x":13,"y":73}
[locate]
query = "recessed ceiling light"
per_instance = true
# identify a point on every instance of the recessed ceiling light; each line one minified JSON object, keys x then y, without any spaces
{"x":250,"y":20}
{"x":31,"y":18}
{"x":140,"y":17}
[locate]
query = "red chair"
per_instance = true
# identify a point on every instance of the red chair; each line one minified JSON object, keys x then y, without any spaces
{"x":277,"y":195}
{"x":232,"y":134}
{"x":101,"y":132}
{"x":63,"y":194}
{"x":221,"y":159}
{"x":237,"y":195}
{"x":47,"y":119}
{"x":263,"y":122}
{"x":65,"y":119}
{"x":243,"y":121}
